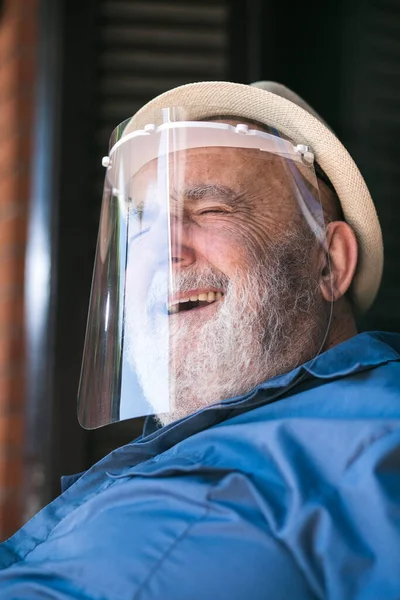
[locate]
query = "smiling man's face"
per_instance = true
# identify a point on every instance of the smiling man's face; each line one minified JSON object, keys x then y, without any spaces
{"x":221,"y":289}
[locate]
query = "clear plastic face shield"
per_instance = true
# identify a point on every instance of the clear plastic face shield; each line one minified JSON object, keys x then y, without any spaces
{"x":206,"y":274}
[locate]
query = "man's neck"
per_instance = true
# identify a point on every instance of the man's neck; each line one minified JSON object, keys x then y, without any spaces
{"x":343,"y":325}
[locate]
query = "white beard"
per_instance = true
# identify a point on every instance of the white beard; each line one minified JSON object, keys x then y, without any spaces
{"x":268,"y":321}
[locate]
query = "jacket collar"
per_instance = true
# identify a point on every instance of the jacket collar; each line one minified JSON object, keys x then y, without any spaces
{"x":360,"y":353}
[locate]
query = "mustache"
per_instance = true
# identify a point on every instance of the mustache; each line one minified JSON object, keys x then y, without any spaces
{"x":162,"y":285}
{"x":185,"y":281}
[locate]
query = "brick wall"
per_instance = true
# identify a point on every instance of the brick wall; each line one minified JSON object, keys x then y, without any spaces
{"x":17,"y":78}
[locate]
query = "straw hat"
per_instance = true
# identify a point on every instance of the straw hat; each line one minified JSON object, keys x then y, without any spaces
{"x":275,"y":105}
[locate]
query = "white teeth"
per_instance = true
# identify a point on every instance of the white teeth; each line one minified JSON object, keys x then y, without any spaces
{"x":203,"y":297}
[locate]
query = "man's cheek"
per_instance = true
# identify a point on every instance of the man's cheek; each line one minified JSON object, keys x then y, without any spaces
{"x":240,"y":244}
{"x":222,"y":247}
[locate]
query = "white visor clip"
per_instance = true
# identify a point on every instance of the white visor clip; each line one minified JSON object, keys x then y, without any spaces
{"x":306,"y":154}
{"x":242,"y":128}
{"x":150,"y":128}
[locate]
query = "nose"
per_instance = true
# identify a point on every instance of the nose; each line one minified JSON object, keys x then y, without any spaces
{"x":181,"y":242}
{"x":170,"y":241}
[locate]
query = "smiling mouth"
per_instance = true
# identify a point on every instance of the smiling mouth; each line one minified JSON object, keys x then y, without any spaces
{"x":193,"y":301}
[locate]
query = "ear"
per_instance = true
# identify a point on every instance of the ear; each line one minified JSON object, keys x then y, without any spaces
{"x":337,"y":273}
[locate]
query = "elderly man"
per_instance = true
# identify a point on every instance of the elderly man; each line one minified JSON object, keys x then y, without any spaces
{"x":237,"y":242}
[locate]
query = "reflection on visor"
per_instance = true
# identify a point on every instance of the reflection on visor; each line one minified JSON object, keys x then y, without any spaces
{"x":203,"y":283}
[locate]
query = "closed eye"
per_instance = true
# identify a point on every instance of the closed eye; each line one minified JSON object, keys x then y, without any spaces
{"x":215,"y":210}
{"x":141,"y":220}
{"x":138,"y":234}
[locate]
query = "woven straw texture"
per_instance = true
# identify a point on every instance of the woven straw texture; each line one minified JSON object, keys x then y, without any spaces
{"x":301,"y":127}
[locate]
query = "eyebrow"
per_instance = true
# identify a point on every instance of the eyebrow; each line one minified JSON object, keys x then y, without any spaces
{"x":205,"y":190}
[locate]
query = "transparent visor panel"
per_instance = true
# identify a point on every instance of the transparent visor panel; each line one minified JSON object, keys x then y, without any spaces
{"x":206,"y":278}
